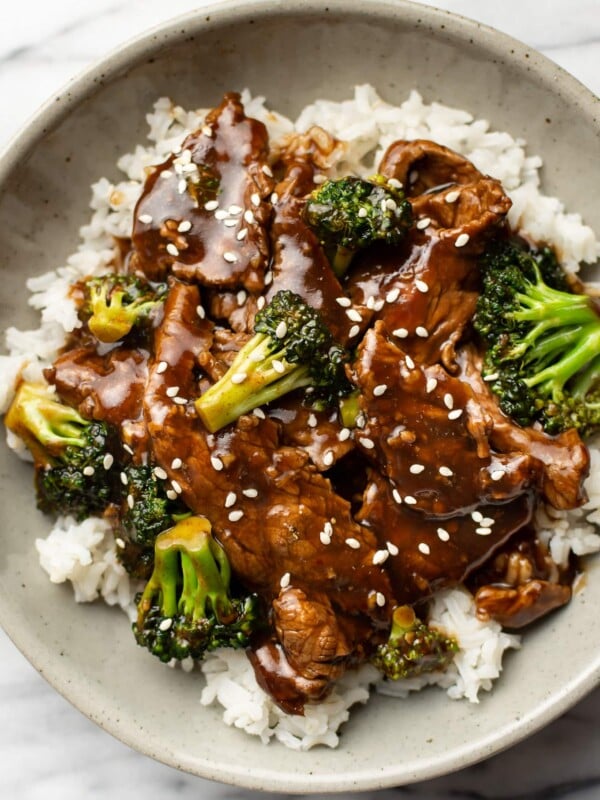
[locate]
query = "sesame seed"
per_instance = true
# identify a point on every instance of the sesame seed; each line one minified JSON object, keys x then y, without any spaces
{"x":230,"y":257}
{"x":449,"y":400}
{"x":492,"y":377}
{"x":380,"y":389}
{"x":281,"y":330}
{"x":452,"y":197}
{"x":230,"y":499}
{"x":329,"y":458}
{"x":268,"y":277}
{"x":230,"y":223}
{"x":423,"y":223}
{"x":130,"y":501}
{"x":422,"y":332}
{"x":325,"y":538}
{"x":401,"y":333}
{"x":172,"y":391}
{"x":416,"y":469}
{"x":201,"y":312}
{"x":353,"y":331}
{"x":379,"y":305}
{"x":422,"y":286}
{"x":181,"y":401}
{"x":487,"y":522}
{"x":165,"y":624}
{"x":483,"y":531}
{"x":431,"y":384}
{"x":88,"y":471}
{"x":235,"y":210}
{"x":360,"y":421}
{"x":392,"y":295}
{"x":255,"y":199}
{"x":353,"y":543}
{"x":145,"y":219}
{"x":108,"y":461}
{"x":380,"y":599}
{"x":353,"y":315}
{"x":249,"y":216}
{"x":211,"y":205}
{"x":392,"y":548}
{"x":370,"y":301}
{"x":166,"y":173}
{"x":242,"y":234}
{"x":235,"y":516}
{"x":123,"y":478}
{"x":161,"y":367}
{"x":391,"y":204}
{"x":127,"y":449}
{"x":344,"y":434}
{"x":239,"y":377}
{"x":410,"y":500}
{"x":251,"y":493}
{"x":345,"y":302}
{"x":311,"y":421}
{"x":328,"y":528}
{"x":285,"y":580}
{"x":462,"y":240}
{"x":182,"y":186}
{"x":258,"y":412}
{"x":241,"y":297}
{"x":476,"y":516}
{"x":176,"y":486}
{"x":207,"y":131}
{"x":216,"y":462}
{"x":267,"y":170}
{"x":497,"y":474}
{"x":119,"y":542}
{"x":171,"y":494}
{"x":443,"y":534}
{"x":160,"y":473}
{"x":397,"y":496}
{"x":369,"y":444}
{"x":177,"y":463}
{"x":394,"y":183}
{"x":409,"y":362}
{"x":455,"y":414}
{"x":380,"y":556}
{"x":274,"y":198}
{"x":172,"y":250}
{"x":362,"y":212}
{"x":424,"y":548}
{"x":278,"y":366}
{"x":446,"y":472}
{"x":260,"y":303}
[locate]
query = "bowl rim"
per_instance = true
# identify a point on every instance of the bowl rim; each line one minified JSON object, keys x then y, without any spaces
{"x":82,"y":86}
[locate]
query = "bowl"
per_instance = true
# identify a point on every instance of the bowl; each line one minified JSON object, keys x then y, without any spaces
{"x":292,"y":53}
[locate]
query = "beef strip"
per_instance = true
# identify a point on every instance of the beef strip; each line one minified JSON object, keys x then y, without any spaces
{"x":225,"y":162}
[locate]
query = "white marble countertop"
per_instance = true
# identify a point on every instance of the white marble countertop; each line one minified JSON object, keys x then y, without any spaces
{"x":48,"y":749}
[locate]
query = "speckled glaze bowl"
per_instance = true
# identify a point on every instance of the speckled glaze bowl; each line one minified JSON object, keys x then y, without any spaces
{"x":292,"y":52}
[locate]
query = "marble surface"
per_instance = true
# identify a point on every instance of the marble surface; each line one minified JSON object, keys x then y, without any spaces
{"x":49,"y":750}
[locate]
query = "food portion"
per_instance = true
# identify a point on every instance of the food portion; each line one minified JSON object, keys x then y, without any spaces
{"x":308,"y":400}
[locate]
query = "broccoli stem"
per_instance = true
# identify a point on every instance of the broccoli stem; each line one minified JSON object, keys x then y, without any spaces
{"x":554,"y":377}
{"x":341,"y":260}
{"x":350,"y":409}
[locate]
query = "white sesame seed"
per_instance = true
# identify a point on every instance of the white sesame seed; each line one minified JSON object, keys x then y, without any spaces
{"x":211,"y":205}
{"x":207,"y":131}
{"x":241,"y":297}
{"x":344,"y":434}
{"x":345,"y":302}
{"x":285,"y":580}
{"x":108,"y":461}
{"x":165,"y":624}
{"x":172,"y":250}
{"x":166,"y":173}
{"x":216,"y":462}
{"x":353,"y":315}
{"x":230,"y":257}
{"x":422,"y":286}
{"x":249,"y":216}
{"x":268,"y":277}
{"x":123,"y":478}
{"x":177,"y":463}
{"x":160,"y":473}
{"x":410,"y":500}
{"x":235,"y":210}
{"x":423,"y":223}
{"x":367,"y":443}
{"x":379,"y":304}
{"x":497,"y":474}
{"x":328,"y":528}
{"x":145,"y":219}
{"x":416,"y":469}
{"x":492,"y":377}
{"x":161,"y":367}
{"x":391,"y":204}
{"x":274,"y":198}
{"x":325,"y":538}
{"x":446,"y":472}
{"x":370,"y":301}
{"x":360,"y":421}
{"x":401,"y":333}
{"x":394,"y":183}
{"x":127,"y":450}
{"x":380,"y":556}
{"x":449,"y":400}
{"x":201,"y":312}
{"x":176,"y":486}
{"x":380,"y":599}
{"x":455,"y":414}
{"x":462,"y":240}
{"x":422,"y":332}
{"x":409,"y":362}
{"x":239,"y":377}
{"x":258,"y":412}
{"x":182,"y":186}
{"x":483,"y":531}
{"x":397,"y":496}
{"x":311,"y":421}
{"x":88,"y":471}
{"x":251,"y":493}
{"x":329,"y":458}
{"x":171,"y":494}
{"x":230,"y":499}
{"x":230,"y":223}
{"x":181,"y":401}
{"x":452,"y":197}
{"x":353,"y":543}
{"x":267,"y":170}
{"x":130,"y":501}
{"x":241,"y":235}
{"x":255,"y":199}
{"x":443,"y":534}
{"x":424,"y":548}
{"x":260,"y":303}
{"x":380,"y":389}
{"x":235,"y":516}
{"x":392,"y":548}
{"x":476,"y":516}
{"x":392,"y":295}
{"x":281,"y":330}
{"x":487,"y":522}
{"x":120,"y":543}
{"x":362,"y":212}
{"x":278,"y":366}
{"x":353,"y":331}
{"x":431,"y":384}
{"x":172,"y":391}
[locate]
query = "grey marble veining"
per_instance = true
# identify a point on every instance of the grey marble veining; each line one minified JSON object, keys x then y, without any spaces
{"x":50,"y":751}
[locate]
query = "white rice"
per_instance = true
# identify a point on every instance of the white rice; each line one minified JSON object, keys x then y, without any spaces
{"x":84,"y":553}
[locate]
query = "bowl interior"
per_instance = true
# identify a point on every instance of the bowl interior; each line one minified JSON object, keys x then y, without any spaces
{"x":292,"y":55}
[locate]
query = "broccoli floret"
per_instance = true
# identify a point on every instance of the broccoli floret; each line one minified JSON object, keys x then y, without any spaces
{"x":69,"y":452}
{"x":186,"y":609}
{"x":292,"y":348}
{"x":351,"y":213}
{"x":543,"y":344}
{"x":413,"y":647}
{"x":150,"y":510}
{"x":117,"y":303}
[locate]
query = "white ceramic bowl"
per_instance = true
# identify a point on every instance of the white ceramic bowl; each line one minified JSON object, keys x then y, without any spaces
{"x":292,"y":53}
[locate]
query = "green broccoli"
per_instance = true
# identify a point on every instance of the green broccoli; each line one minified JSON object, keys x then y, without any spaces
{"x":116,"y":303}
{"x":70,"y":453}
{"x":147,"y":508}
{"x":542,"y":343}
{"x":185,"y":609}
{"x":413,"y":647}
{"x":351,"y":213}
{"x":292,"y":348}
